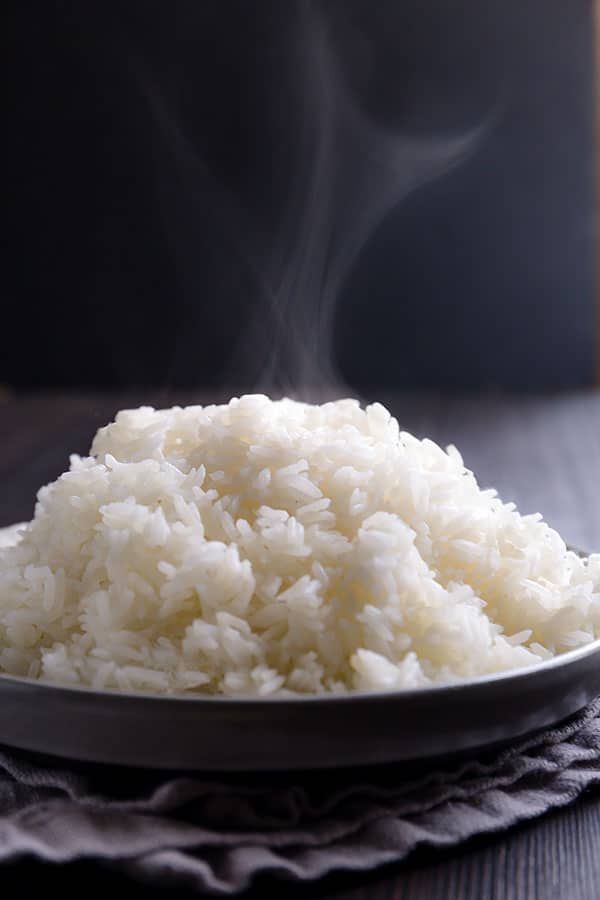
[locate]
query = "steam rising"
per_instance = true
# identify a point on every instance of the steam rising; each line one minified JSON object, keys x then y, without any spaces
{"x":348,"y":175}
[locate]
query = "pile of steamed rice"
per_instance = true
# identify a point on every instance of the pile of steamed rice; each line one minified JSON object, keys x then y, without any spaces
{"x":265,"y":547}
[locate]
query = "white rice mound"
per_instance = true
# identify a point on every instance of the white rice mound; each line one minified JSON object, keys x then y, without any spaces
{"x":265,"y":547}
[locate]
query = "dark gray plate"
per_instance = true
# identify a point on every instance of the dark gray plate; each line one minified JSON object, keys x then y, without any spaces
{"x":220,"y":733}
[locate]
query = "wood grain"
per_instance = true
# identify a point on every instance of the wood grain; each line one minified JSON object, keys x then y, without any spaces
{"x":543,"y":452}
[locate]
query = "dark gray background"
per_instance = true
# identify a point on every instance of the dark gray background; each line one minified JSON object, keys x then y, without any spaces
{"x":129,"y":122}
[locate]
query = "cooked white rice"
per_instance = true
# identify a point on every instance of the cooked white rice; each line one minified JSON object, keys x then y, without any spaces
{"x":261,"y":547}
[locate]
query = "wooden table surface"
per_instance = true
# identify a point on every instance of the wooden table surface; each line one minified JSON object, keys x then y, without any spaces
{"x":542,"y":452}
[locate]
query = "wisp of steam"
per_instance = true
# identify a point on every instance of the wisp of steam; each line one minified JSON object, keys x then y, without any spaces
{"x":348,"y":175}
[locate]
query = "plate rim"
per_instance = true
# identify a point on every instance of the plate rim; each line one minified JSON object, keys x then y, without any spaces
{"x":561,"y":660}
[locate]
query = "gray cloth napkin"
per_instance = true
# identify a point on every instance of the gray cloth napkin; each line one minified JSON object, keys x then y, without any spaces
{"x":217,"y":834}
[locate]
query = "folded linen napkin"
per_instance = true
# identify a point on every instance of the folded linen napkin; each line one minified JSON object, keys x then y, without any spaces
{"x":216,"y":834}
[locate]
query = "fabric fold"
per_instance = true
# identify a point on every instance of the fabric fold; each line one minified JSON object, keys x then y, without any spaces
{"x":217,"y":834}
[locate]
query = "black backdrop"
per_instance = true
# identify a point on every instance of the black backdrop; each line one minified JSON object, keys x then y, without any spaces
{"x":150,"y":143}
